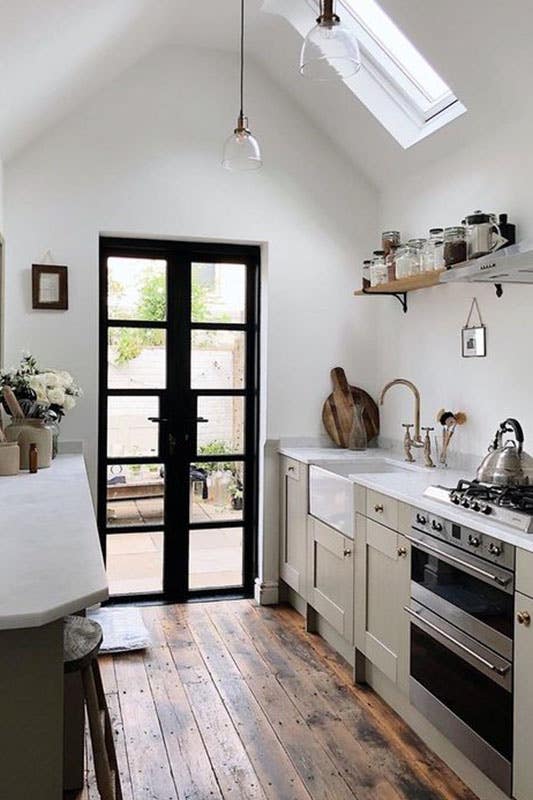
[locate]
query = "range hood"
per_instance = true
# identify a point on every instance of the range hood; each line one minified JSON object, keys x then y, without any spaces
{"x":512,"y":264}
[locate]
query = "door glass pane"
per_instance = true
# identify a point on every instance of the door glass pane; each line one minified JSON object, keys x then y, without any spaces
{"x":216,"y":491}
{"x":136,"y":358}
{"x":215,"y":558}
{"x":217,"y":359}
{"x":137,"y":288}
{"x":218,"y":292}
{"x":129,"y":432}
{"x":135,"y":495}
{"x":134,"y":562}
{"x":224,"y":431}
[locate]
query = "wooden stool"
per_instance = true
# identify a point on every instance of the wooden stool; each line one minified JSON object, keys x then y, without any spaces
{"x":82,"y":639}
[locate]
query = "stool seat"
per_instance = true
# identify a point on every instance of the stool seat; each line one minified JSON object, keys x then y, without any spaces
{"x":82,"y":638}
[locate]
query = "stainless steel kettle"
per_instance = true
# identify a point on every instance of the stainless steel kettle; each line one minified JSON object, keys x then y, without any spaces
{"x":506,"y":464}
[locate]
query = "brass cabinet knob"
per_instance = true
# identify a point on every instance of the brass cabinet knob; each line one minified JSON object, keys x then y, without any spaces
{"x":378,"y":508}
{"x":402,"y":552}
{"x":347,"y":552}
{"x":523,"y":618}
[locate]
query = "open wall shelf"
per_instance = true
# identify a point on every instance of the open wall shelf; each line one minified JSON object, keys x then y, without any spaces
{"x":400,"y":288}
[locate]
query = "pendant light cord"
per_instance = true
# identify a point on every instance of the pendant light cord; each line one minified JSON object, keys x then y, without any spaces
{"x":242,"y":59}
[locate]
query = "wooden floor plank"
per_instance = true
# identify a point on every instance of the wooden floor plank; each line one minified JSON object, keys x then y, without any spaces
{"x":150,"y":771}
{"x":188,"y":758}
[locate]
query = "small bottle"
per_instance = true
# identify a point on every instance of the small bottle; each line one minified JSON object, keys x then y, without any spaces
{"x":366,"y":273}
{"x":390,"y":262}
{"x":507,"y":230}
{"x":378,"y":270}
{"x":33,"y":458}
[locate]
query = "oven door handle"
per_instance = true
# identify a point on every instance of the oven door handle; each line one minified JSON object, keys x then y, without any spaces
{"x":455,"y":560}
{"x":499,"y":670}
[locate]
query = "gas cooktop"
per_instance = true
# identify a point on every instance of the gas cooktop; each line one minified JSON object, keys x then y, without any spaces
{"x":510,"y":505}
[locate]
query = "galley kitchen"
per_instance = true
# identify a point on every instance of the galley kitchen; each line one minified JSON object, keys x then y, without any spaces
{"x":266,"y":432}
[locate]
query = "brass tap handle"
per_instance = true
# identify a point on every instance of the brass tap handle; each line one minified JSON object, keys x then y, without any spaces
{"x":428,"y":461}
{"x":408,"y":442}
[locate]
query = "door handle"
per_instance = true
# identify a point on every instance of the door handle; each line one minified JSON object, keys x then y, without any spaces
{"x":161,"y":420}
{"x":201,"y":419}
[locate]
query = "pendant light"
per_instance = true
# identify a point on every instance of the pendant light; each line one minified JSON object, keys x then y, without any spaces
{"x":242,"y":151}
{"x":330,"y":50}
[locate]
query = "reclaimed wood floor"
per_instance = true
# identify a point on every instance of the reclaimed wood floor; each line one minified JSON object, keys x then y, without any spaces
{"x":237,"y":702}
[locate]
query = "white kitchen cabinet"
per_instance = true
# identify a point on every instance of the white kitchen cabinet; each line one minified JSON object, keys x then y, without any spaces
{"x":382,"y":575}
{"x":330,"y":576}
{"x":523,"y":699}
{"x":293,"y":523}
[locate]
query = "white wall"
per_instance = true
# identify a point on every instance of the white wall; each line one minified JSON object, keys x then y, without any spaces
{"x":143,"y":157}
{"x":424,"y":345}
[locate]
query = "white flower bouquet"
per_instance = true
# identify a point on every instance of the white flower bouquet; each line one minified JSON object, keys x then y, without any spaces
{"x":42,"y":393}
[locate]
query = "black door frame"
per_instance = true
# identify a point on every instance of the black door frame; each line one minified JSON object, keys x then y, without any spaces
{"x":182,"y":418}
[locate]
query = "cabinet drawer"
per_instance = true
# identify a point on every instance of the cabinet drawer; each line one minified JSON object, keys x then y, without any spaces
{"x":382,"y":508}
{"x":292,"y":468}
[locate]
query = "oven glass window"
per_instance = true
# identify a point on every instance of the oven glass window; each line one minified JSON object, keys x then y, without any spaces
{"x":486,"y":603}
{"x":482,"y":704}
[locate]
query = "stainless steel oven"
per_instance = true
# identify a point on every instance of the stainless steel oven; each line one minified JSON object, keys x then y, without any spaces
{"x":462,"y":620}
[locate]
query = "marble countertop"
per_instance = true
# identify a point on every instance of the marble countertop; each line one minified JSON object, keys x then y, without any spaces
{"x":50,"y":558}
{"x":407,"y":484}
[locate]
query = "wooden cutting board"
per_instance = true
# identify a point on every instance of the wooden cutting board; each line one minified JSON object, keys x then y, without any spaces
{"x":337,"y":413}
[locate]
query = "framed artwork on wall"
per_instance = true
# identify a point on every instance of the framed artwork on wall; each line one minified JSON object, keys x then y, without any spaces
{"x":49,"y":287}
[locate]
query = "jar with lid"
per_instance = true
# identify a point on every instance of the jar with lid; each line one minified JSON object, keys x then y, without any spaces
{"x":390,"y":262}
{"x":433,"y":251}
{"x":454,"y":245}
{"x":404,"y":260}
{"x":482,"y":234}
{"x":366,"y":273}
{"x":378,"y":269}
{"x":416,"y":246}
{"x":389,"y":239}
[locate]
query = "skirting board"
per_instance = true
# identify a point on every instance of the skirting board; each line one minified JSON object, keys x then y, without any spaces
{"x":266,"y":594}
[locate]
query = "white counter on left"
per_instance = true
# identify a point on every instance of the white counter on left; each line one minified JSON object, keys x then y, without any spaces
{"x":50,"y":558}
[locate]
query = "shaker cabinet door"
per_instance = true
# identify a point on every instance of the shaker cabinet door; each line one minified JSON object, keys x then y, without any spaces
{"x":523,"y":699}
{"x":330,"y":576}
{"x":293,"y":523}
{"x":382,"y":591}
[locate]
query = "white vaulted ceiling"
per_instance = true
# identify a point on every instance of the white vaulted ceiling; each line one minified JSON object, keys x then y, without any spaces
{"x":56,"y":53}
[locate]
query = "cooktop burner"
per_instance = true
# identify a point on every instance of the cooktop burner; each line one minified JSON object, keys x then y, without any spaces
{"x":510,"y":505}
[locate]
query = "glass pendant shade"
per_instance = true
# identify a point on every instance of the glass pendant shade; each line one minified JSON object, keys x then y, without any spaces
{"x":330,"y":52}
{"x":241,"y":150}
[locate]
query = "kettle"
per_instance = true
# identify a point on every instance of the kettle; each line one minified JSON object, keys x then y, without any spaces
{"x":506,"y":464}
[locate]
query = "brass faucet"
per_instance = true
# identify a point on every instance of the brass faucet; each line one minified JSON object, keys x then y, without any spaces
{"x":417,"y":441}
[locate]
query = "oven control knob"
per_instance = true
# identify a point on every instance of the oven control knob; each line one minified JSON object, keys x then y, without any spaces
{"x":475,"y":506}
{"x":455,"y":499}
{"x":465,"y":502}
{"x":486,"y":509}
{"x":474,"y":541}
{"x":420,"y":518}
{"x":495,"y":549}
{"x":437,"y":526}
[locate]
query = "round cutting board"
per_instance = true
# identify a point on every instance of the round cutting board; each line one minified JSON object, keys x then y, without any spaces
{"x":337,"y":412}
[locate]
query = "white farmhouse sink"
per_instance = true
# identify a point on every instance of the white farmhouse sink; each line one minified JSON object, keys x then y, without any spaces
{"x":332,"y":493}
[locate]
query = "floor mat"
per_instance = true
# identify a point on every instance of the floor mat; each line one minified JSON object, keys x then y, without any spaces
{"x":123,"y":629}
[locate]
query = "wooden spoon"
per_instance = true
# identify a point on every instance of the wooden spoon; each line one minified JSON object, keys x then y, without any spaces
{"x":12,"y":403}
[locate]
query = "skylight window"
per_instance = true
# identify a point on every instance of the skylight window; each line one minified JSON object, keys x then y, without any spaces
{"x":395,"y":83}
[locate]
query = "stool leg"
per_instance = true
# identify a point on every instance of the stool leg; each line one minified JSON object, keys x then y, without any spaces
{"x":104,"y":774}
{"x":109,"y":739}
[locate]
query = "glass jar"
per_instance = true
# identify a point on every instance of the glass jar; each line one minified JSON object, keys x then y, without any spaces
{"x":366,"y":273}
{"x":378,"y":269}
{"x":454,"y":245}
{"x":389,"y":239}
{"x":390,"y":263}
{"x":416,"y":246}
{"x":404,"y":259}
{"x":433,"y":251}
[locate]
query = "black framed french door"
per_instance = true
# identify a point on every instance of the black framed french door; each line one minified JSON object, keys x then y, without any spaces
{"x":178,"y":417}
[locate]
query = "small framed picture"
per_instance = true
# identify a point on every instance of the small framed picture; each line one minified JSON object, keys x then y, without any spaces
{"x":474,"y":342}
{"x":49,"y":287}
